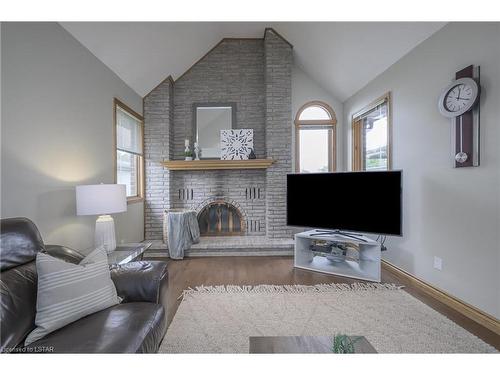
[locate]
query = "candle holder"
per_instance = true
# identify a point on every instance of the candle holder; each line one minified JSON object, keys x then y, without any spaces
{"x":197,"y":151}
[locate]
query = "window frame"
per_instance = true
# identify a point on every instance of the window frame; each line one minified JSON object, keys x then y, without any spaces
{"x":332,"y":138}
{"x":356,"y":133}
{"x":118,"y":104}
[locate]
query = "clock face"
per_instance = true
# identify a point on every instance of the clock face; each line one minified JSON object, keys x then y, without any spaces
{"x":458,"y":98}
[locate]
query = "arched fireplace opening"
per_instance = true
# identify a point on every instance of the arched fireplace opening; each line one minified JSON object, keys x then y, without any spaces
{"x":220,"y":218}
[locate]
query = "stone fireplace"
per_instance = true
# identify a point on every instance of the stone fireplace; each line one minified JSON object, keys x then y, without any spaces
{"x":255,"y":74}
{"x":242,"y":189}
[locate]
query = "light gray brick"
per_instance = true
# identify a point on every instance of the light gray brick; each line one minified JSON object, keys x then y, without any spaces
{"x":255,"y":74}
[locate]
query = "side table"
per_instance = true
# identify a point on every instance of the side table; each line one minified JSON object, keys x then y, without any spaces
{"x":128,"y":252}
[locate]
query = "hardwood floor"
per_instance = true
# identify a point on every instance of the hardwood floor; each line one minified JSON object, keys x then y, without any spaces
{"x":192,"y":272}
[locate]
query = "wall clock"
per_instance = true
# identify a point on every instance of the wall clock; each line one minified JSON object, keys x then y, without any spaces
{"x":459,"y":102}
{"x":459,"y":97}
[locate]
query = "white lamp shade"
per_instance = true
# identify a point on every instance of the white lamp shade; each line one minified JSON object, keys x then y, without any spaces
{"x":100,"y":199}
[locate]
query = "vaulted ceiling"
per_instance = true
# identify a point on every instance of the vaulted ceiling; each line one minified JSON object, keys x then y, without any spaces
{"x":341,"y":56}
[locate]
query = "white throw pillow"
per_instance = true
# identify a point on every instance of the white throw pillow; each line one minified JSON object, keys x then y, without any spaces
{"x":68,"y":292}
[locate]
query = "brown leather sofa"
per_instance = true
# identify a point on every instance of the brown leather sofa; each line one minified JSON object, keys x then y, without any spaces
{"x":137,"y":325}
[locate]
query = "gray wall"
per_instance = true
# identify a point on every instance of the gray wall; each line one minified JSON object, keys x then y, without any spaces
{"x":57,"y":113}
{"x":450,"y":213}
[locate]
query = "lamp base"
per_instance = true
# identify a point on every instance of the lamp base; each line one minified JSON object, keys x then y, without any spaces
{"x":105,"y":233}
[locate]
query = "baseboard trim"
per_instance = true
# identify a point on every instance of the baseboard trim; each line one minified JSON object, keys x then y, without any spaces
{"x":486,"y":320}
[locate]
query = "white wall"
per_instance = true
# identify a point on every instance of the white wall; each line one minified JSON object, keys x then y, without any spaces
{"x":305,"y":89}
{"x":57,"y":113}
{"x":451,"y":213}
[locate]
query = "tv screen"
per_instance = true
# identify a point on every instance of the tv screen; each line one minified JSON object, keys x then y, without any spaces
{"x":368,"y":202}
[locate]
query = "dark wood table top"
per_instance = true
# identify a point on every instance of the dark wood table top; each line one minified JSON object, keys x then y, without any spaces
{"x":303,"y":344}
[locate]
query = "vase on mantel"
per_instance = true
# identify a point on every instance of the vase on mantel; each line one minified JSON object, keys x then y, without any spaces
{"x":188,"y":154}
{"x":197,"y":151}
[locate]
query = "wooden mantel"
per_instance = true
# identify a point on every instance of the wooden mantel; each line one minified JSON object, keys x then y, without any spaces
{"x":210,"y":164}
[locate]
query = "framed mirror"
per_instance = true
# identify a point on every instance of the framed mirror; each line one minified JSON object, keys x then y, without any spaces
{"x":209,"y":120}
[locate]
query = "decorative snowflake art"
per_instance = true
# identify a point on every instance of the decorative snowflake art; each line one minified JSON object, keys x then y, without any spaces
{"x":236,"y":144}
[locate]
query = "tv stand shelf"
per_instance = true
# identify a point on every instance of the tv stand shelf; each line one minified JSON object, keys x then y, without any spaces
{"x":368,"y":267}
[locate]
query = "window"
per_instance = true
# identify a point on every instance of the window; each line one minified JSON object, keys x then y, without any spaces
{"x":371,"y":140}
{"x":129,"y":164}
{"x":315,"y":138}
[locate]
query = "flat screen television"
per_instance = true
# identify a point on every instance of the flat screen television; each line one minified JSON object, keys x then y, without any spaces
{"x":367,"y":202}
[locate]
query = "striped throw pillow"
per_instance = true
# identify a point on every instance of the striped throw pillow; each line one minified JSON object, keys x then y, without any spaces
{"x":68,"y":292}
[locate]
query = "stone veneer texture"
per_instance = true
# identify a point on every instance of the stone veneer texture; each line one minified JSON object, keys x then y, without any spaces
{"x":158,"y":137}
{"x":245,"y":189}
{"x":256,"y":75}
{"x":231,"y":72}
{"x":278,"y":81}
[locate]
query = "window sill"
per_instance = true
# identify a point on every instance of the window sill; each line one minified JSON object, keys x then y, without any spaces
{"x":133,"y":200}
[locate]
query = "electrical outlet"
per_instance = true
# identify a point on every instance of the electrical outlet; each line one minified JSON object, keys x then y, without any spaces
{"x":438,"y":263}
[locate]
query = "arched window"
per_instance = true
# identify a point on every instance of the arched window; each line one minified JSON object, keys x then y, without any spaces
{"x":315,"y":138}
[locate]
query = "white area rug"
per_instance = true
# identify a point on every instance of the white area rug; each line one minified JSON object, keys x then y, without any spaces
{"x":221,"y":319}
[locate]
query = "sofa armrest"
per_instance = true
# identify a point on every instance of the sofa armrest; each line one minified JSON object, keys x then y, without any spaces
{"x":65,"y":253}
{"x":143,"y":281}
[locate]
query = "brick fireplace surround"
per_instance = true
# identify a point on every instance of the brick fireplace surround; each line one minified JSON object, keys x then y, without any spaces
{"x":256,"y":75}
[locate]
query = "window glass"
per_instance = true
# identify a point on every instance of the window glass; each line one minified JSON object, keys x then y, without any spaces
{"x":128,"y":136}
{"x":375,"y":145}
{"x":370,"y":135}
{"x":315,"y":138}
{"x":127,"y":172}
{"x":314,"y":112}
{"x":129,"y":150}
{"x":314,"y":150}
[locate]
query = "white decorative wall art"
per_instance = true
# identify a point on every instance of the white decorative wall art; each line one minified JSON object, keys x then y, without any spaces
{"x":236,"y":144}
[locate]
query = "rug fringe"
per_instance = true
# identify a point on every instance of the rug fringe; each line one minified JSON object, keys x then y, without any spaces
{"x":264,"y":288}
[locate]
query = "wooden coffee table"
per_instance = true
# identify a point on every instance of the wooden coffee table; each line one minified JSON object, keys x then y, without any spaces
{"x":303,"y":344}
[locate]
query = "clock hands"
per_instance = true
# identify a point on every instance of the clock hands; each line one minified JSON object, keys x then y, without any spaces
{"x":458,"y":95}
